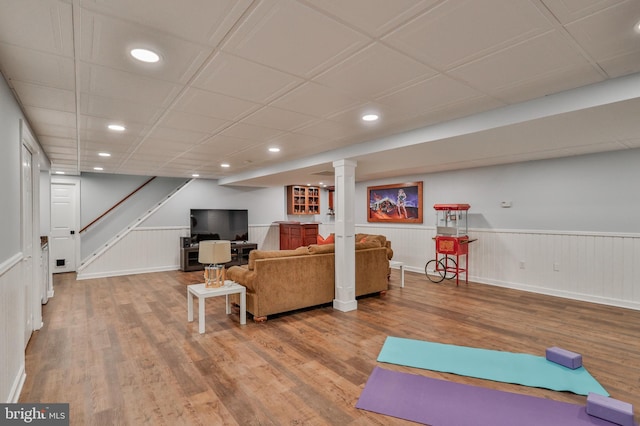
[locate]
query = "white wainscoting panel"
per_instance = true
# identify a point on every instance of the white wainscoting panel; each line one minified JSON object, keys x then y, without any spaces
{"x":266,"y":236}
{"x":12,"y":362}
{"x":599,"y":268}
{"x":140,"y":250}
{"x":593,"y":267}
{"x":154,"y":249}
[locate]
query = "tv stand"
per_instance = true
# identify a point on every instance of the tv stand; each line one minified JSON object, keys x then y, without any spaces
{"x":239,"y":256}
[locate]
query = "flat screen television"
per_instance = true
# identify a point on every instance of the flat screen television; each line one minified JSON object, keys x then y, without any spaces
{"x":219,"y":224}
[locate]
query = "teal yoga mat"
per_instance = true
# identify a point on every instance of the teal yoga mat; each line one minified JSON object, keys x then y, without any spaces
{"x":499,"y":366}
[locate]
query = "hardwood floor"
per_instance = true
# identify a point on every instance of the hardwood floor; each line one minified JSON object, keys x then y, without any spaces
{"x":121,"y":352}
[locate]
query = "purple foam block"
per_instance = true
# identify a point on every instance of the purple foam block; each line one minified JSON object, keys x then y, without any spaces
{"x":610,"y":409}
{"x":564,"y":357}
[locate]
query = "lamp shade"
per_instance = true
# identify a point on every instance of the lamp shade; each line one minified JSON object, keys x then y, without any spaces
{"x":214,"y":252}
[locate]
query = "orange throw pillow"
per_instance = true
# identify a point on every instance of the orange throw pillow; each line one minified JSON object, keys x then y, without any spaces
{"x":329,"y":240}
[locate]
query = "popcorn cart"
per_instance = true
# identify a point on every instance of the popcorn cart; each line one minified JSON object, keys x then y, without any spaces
{"x":452,"y":242}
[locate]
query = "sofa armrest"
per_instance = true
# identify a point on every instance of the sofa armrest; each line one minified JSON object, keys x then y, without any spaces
{"x":242,"y":276}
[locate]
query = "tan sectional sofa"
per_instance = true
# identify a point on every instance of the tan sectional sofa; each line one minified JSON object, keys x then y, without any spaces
{"x":285,"y":280}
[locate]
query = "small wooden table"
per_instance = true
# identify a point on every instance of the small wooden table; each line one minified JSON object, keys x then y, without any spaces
{"x":400,"y":265}
{"x":202,"y":293}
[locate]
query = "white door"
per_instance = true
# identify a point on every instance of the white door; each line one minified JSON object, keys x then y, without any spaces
{"x":27,"y":243}
{"x":65,"y":222}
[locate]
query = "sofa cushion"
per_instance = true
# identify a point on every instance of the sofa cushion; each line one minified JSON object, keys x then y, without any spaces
{"x":331,"y":248}
{"x":269,"y":254}
{"x":322,"y":248}
{"x":367,"y":244}
{"x":370,"y":237}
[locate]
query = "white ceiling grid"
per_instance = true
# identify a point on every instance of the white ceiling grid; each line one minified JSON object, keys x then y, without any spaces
{"x":237,"y":77}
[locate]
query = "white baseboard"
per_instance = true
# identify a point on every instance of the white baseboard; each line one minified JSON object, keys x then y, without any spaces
{"x":106,"y":274}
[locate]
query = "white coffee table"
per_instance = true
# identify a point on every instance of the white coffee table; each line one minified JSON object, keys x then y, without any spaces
{"x":202,"y":293}
{"x":400,"y":265}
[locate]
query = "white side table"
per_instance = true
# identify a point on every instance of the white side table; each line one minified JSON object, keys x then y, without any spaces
{"x":400,"y":265}
{"x":202,"y":293}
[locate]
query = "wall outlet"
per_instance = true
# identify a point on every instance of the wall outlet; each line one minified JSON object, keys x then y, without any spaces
{"x":556,"y":266}
{"x":522,"y":264}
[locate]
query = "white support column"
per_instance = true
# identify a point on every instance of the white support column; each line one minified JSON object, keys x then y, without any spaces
{"x":345,"y":182}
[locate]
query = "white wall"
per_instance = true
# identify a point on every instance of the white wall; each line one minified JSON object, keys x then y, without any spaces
{"x":572,"y":230}
{"x":12,"y":266}
{"x":99,"y":192}
{"x":589,"y":193}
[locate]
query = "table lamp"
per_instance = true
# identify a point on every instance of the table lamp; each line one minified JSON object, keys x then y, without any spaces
{"x":214,"y":254}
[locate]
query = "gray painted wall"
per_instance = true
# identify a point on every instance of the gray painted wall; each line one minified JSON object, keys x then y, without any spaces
{"x":588,"y":193}
{"x":99,"y":192}
{"x":265,"y":205}
{"x":10,"y":116}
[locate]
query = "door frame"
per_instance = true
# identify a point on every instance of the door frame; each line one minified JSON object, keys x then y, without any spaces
{"x":35,"y":300}
{"x":75,"y":181}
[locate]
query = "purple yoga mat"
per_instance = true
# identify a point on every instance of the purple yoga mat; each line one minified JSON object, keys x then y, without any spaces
{"x":443,"y":403}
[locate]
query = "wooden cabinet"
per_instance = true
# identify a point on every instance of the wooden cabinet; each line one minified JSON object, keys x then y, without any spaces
{"x":303,"y":199}
{"x":296,"y":234}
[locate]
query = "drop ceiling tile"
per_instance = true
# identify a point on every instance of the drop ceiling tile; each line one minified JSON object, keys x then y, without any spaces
{"x":294,"y":145}
{"x":570,"y":10}
{"x":202,"y":21}
{"x":51,"y":116}
{"x":177,"y":135}
{"x":220,"y":146}
{"x":631,"y":143}
{"x":118,"y":110}
{"x":326,"y":129}
{"x":455,"y":32}
{"x":523,"y":75}
{"x":375,"y":17}
{"x":98,"y":127}
{"x":609,"y":33}
{"x":45,"y":97}
{"x":234,"y":76}
{"x":294,"y":38}
{"x":374,"y":71}
{"x":195,"y":122}
{"x":53,"y":143}
{"x":50,"y":26}
{"x":277,"y":118}
{"x":111,"y":83}
{"x":432,"y":95}
{"x":621,"y":65}
{"x":214,"y":105}
{"x":161,"y":148}
{"x":31,"y":66}
{"x":249,"y":131}
{"x":315,"y":99}
{"x":107,"y":42}
{"x":55,"y":130}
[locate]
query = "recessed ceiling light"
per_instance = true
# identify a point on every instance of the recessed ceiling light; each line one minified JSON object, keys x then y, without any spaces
{"x":116,"y":127}
{"x":104,"y":154}
{"x":98,"y":169}
{"x":145,"y":55}
{"x":637,"y":27}
{"x":274,"y":149}
{"x":370,"y":117}
{"x":59,"y":173}
{"x":195,"y":175}
{"x":225,"y":165}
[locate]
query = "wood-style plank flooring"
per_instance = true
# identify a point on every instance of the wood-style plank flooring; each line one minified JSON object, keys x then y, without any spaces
{"x":121,"y":352}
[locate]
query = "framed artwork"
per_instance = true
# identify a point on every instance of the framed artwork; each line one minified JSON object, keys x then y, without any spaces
{"x":399,"y":203}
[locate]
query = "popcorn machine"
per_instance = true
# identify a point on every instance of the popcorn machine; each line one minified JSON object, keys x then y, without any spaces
{"x":452,"y":243}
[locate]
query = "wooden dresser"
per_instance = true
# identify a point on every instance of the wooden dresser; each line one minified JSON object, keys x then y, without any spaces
{"x":296,"y":234}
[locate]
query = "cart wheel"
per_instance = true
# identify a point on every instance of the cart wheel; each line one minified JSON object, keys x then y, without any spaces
{"x":451,"y":267}
{"x":435,"y":271}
